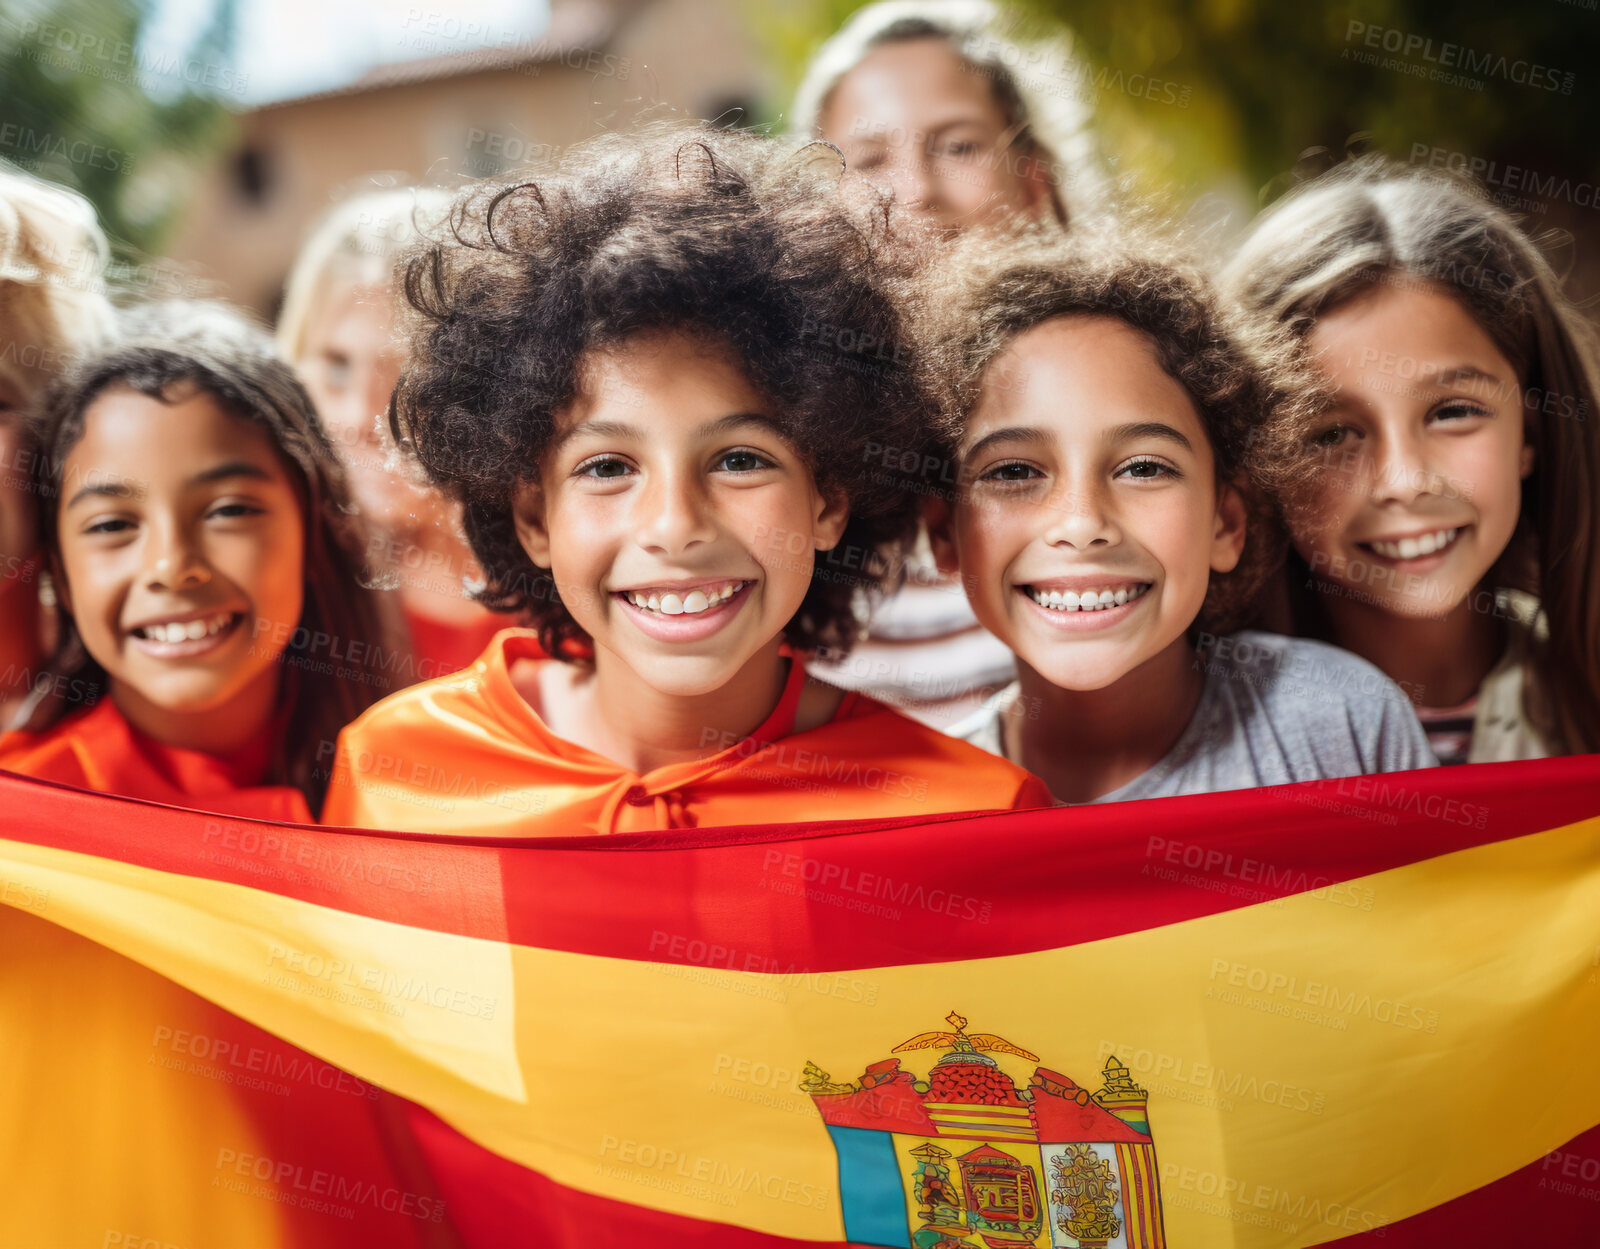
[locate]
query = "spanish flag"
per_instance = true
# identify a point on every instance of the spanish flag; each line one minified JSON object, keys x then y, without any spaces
{"x":1356,"y":1012}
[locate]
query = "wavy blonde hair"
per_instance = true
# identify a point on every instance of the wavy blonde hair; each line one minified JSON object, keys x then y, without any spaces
{"x":52,"y":280}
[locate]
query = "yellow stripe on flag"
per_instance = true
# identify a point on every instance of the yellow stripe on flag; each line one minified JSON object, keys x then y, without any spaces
{"x":1313,"y":1068}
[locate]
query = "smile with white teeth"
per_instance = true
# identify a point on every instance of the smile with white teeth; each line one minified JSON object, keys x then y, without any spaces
{"x":1087,"y":600}
{"x":185,"y":630}
{"x":690,"y":604}
{"x":1411,"y":548}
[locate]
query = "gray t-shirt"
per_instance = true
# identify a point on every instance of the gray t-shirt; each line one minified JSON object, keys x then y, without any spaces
{"x":1274,"y":710}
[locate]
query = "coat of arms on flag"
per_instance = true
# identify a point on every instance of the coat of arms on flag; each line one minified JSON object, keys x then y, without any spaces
{"x":965,"y":1158}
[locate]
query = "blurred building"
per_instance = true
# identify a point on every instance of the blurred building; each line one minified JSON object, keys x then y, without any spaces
{"x":455,"y":113}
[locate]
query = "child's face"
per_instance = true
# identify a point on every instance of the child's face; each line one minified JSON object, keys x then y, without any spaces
{"x":919,"y":119}
{"x":182,"y":551}
{"x":350,"y":366}
{"x":679,"y":526}
{"x":1424,"y":453}
{"x":1086,"y":472}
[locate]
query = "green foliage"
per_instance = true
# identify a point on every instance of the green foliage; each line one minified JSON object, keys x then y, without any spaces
{"x":83,"y":104}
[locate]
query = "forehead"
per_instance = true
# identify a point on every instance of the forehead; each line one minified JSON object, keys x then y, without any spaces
{"x":660,"y":380}
{"x":350,"y":314}
{"x":916,"y":81}
{"x":137,"y":436}
{"x":1077,"y":376}
{"x":1401,"y":325}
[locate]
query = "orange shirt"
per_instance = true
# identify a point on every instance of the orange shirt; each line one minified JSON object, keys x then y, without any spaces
{"x":99,"y":750}
{"x":466,"y":754}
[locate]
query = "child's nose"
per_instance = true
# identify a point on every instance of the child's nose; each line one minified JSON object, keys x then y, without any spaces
{"x":173,"y":561}
{"x":913,"y":181}
{"x":1080,"y":518}
{"x":672,"y":513}
{"x":1401,"y":470}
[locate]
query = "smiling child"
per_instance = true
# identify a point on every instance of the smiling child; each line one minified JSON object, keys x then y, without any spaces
{"x":1448,"y":531}
{"x":1100,"y":412}
{"x":192,"y":517}
{"x":654,"y":378}
{"x":191,"y":511}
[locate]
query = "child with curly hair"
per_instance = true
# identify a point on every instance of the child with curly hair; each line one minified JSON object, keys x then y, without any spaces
{"x":661,"y":380}
{"x":1104,"y":420}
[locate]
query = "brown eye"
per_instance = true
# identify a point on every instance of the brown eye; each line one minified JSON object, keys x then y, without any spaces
{"x":1011,"y":473}
{"x":742,"y":462}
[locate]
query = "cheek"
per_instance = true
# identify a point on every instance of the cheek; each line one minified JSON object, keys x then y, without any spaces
{"x":1483,"y":472}
{"x":271,"y":570}
{"x":95,"y":581}
{"x":780,"y":534}
{"x":1329,"y":506}
{"x":583,"y":532}
{"x":989,"y":536}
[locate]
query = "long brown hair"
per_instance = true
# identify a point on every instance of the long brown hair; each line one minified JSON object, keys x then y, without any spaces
{"x":212,"y":348}
{"x":1372,"y":220}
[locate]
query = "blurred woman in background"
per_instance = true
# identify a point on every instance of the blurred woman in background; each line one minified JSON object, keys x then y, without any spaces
{"x":964,"y":125}
{"x":336,"y":328}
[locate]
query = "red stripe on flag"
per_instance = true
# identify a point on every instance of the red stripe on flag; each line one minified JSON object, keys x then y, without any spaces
{"x":495,"y":1203}
{"x":826,"y":897}
{"x":1548,"y":1203}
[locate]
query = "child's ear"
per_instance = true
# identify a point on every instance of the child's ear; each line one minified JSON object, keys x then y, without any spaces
{"x":58,"y":582}
{"x":939,"y":517}
{"x":833,"y":514}
{"x":1227,"y":535}
{"x":527,"y":518}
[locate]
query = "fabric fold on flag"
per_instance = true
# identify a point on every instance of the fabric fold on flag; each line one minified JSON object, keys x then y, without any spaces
{"x":1350,"y":1010}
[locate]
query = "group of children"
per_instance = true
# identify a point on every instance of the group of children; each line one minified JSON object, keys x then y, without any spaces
{"x":672,"y":419}
{"x":696,"y":398}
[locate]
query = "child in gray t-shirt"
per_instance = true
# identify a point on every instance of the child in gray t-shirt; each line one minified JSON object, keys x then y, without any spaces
{"x":1104,"y":419}
{"x":1273,"y":710}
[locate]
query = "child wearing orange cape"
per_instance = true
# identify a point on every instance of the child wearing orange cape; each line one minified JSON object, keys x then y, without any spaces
{"x":662,"y":380}
{"x":190,"y":507}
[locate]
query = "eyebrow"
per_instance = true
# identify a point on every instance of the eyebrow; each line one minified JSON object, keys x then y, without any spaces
{"x":126,"y":489}
{"x":1149,"y":429}
{"x":1034,"y":436}
{"x":1465,"y":373}
{"x":620,"y":429}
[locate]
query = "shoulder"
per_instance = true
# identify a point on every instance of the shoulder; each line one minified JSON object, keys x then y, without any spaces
{"x":1333,"y":712}
{"x":1318,"y":679}
{"x":427,"y":702}
{"x":62,"y":752}
{"x":450,"y":705}
{"x":943,"y":769}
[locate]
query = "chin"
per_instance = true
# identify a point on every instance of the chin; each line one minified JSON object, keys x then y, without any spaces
{"x":1432,"y":608}
{"x":1085,"y":678}
{"x":683,"y":676}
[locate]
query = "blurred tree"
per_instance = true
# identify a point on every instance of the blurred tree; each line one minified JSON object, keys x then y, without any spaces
{"x":84,"y":103}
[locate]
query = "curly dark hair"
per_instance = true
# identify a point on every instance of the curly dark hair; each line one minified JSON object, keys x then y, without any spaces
{"x":991,"y":286}
{"x":743,"y":238}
